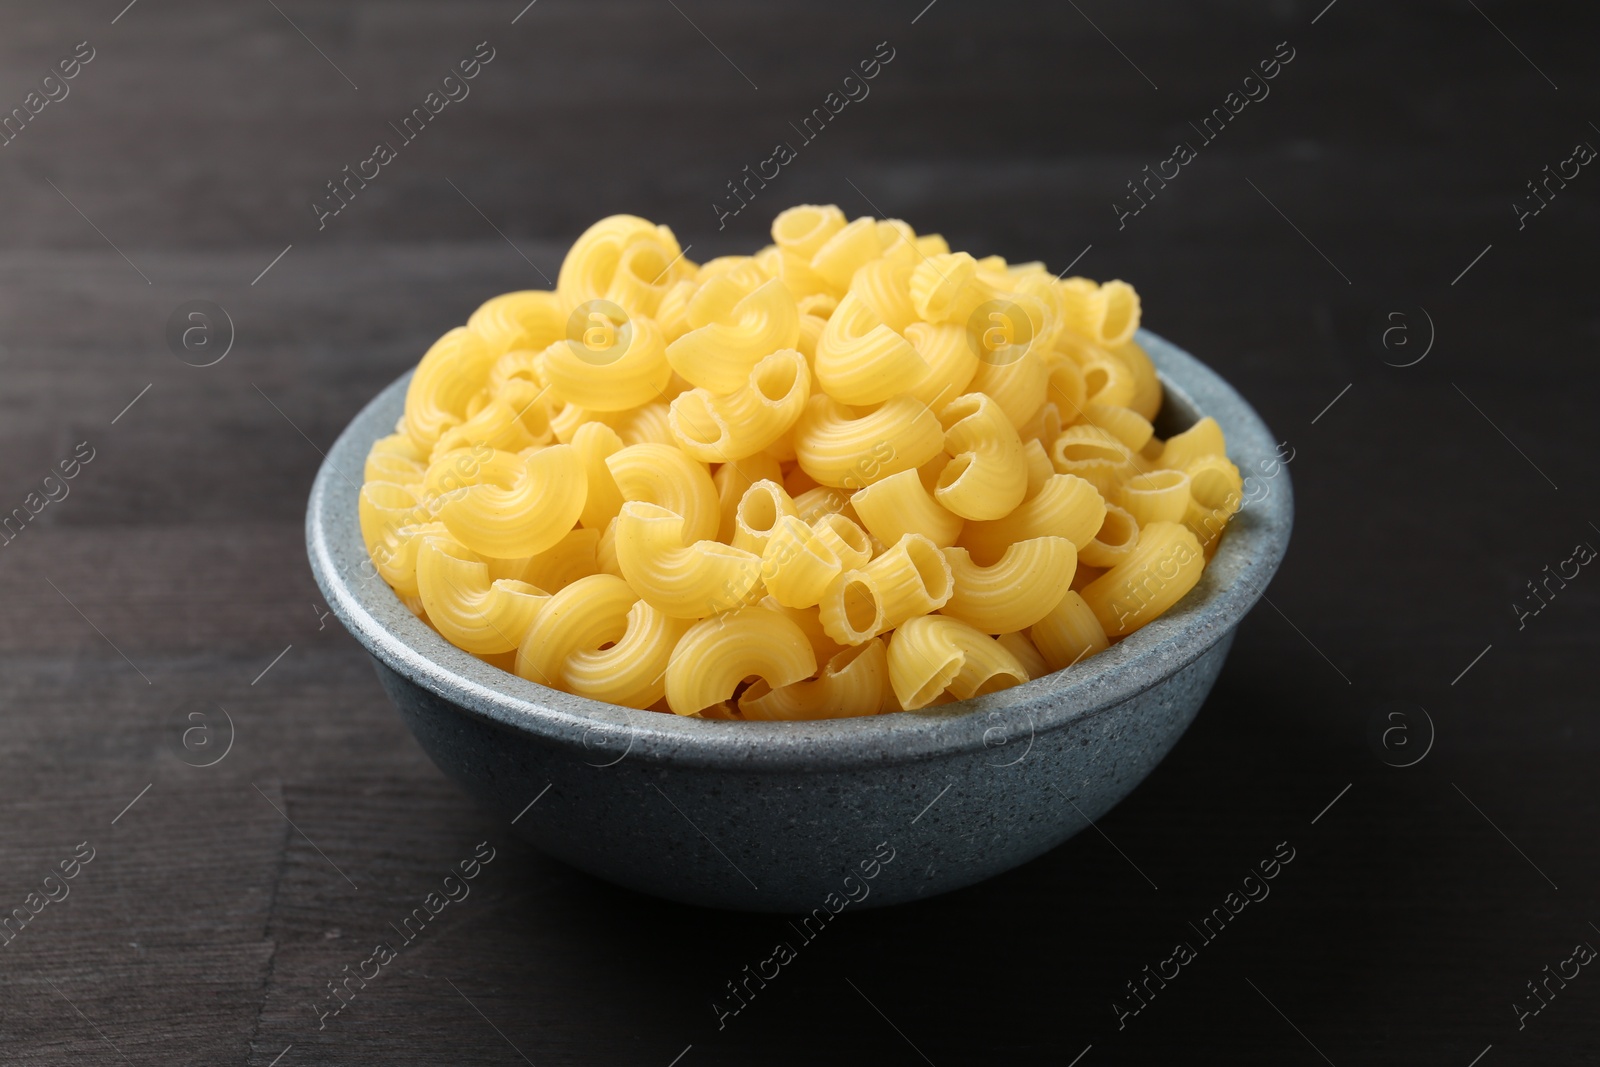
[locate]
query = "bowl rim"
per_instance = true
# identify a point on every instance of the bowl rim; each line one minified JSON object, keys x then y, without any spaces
{"x":1245,"y":561}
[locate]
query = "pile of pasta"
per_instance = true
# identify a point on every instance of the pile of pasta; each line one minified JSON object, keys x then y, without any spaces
{"x":853,"y":473}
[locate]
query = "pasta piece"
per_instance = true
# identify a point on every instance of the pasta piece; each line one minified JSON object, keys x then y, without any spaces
{"x":844,"y":538}
{"x":525,"y":320}
{"x":861,"y":360}
{"x":1147,"y":394}
{"x":821,"y":500}
{"x":472,"y":612}
{"x":664,"y":475}
{"x":733,"y":480}
{"x":884,"y":286}
{"x":1214,"y":497}
{"x":720,"y":355}
{"x":453,"y":370}
{"x":587,"y":615}
{"x":1160,"y":496}
{"x":838,"y":446}
{"x":632,"y":672}
{"x":1202,"y":439}
{"x":523,"y":505}
{"x":495,"y":425}
{"x":595,"y":442}
{"x":683,"y":581}
{"x":1107,"y":314}
{"x":950,"y":360}
{"x":1027,"y":654}
{"x":988,"y":476}
{"x":810,"y":622}
{"x":897,"y":505}
{"x":1019,"y":386}
{"x":796,"y":565}
{"x":717,"y":654}
{"x":717,"y":429}
{"x":761,"y":508}
{"x":852,"y":683}
{"x":1016,"y":592}
{"x":933,"y":653}
{"x":593,"y":262}
{"x":1068,"y":633}
{"x":1164,"y":566}
{"x":611,"y":366}
{"x":848,"y":249}
{"x":945,"y":288}
{"x":1067,"y":507}
{"x":1040,"y":469}
{"x":911,"y":578}
{"x":1093,"y":455}
{"x":1114,"y":541}
{"x":803,"y":230}
{"x":1128,"y":427}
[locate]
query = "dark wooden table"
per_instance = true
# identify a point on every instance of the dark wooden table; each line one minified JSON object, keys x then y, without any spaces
{"x":167,"y":590}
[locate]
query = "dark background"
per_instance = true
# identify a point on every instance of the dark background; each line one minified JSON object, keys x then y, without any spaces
{"x":1417,"y":907}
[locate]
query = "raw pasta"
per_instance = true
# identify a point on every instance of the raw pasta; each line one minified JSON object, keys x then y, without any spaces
{"x":854,"y":473}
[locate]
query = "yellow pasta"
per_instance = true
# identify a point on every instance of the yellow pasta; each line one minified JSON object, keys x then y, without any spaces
{"x":685,"y":581}
{"x":839,"y":446}
{"x":988,"y":476}
{"x":664,"y":475}
{"x":861,"y":360}
{"x":1068,"y":633}
{"x":1067,"y":507}
{"x":1017,"y":591}
{"x":1164,"y":566}
{"x":854,"y":473}
{"x":716,"y":655}
{"x":523,"y":505}
{"x":933,"y":653}
{"x":718,"y":429}
{"x":852,"y":682}
{"x":471,"y":611}
{"x":720,"y":355}
{"x":612,"y":367}
{"x":899,"y":504}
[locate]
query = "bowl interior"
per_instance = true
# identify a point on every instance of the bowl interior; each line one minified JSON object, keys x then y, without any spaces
{"x":1244,"y":563}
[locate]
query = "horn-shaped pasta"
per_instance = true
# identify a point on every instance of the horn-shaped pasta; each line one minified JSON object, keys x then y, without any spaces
{"x":716,"y":654}
{"x":625,"y":367}
{"x":1020,"y":646}
{"x":1068,"y":633}
{"x":759,"y":511}
{"x":717,"y":429}
{"x":1094,"y":455}
{"x":945,"y":288}
{"x":884,"y":286}
{"x":844,"y":539}
{"x":1164,"y":566}
{"x":586,"y":616}
{"x":665,"y":476}
{"x":496,"y":425}
{"x":839,"y":447}
{"x":1147,"y":393}
{"x":719,"y":355}
{"x":592,"y":262}
{"x":853,"y":682}
{"x":988,"y":476}
{"x":911,"y":578}
{"x":472,"y":612}
{"x":396,"y":557}
{"x":574,"y":556}
{"x":932,"y":654}
{"x":1202,"y":439}
{"x":632,"y":672}
{"x":848,"y":249}
{"x":1067,"y":507}
{"x":1020,"y":386}
{"x":685,"y":581}
{"x":897,"y":505}
{"x":522,"y":506}
{"x":1114,"y":541}
{"x":1214,"y":497}
{"x":395,"y":458}
{"x":595,"y":442}
{"x":950,"y":360}
{"x":796,"y":565}
{"x":446,"y":380}
{"x":529,"y":319}
{"x":1040,"y":469}
{"x":805,"y":228}
{"x":1016,"y":592}
{"x":734,"y":479}
{"x":1107,"y":314}
{"x":384,"y":507}
{"x":1159,"y":496}
{"x":861,"y":360}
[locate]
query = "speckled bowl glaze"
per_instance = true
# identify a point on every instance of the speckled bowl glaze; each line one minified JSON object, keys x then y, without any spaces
{"x":789,"y":817}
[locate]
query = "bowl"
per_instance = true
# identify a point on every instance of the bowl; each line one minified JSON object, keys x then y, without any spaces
{"x":812,"y":816}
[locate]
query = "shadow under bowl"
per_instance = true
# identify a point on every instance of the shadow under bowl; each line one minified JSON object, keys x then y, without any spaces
{"x":777,"y":816}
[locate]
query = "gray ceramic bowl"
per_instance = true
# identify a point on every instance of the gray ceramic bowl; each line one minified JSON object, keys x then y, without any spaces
{"x":791,"y":817}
